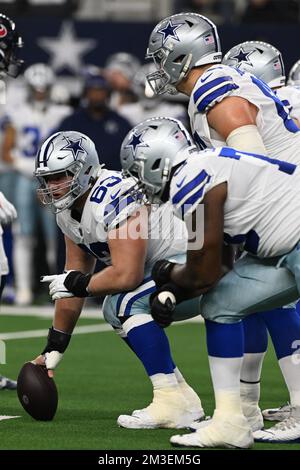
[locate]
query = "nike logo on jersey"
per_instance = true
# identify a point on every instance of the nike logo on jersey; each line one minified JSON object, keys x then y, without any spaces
{"x":204,"y":79}
{"x":181,"y":183}
{"x":114,"y":196}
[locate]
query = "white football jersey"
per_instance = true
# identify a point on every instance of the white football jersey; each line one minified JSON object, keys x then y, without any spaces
{"x":280,"y":134}
{"x":110,"y":203}
{"x":262,"y":209}
{"x":33,"y":126}
{"x":290,"y":97}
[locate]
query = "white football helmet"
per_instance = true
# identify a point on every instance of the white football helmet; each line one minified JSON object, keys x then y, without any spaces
{"x":69,"y":153}
{"x":294,"y":75}
{"x":39,"y":77}
{"x":260,"y":59}
{"x":179,"y":43}
{"x":150,"y":151}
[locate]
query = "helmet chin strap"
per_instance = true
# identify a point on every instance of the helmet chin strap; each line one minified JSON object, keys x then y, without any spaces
{"x":186,"y":68}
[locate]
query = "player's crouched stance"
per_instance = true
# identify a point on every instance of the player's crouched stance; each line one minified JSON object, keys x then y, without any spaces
{"x":247,"y":199}
{"x":103,"y":217}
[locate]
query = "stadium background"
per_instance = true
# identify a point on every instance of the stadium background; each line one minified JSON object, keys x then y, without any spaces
{"x":99,"y":379}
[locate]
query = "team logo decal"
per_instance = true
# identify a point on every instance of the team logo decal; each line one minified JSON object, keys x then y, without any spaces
{"x":3,"y":31}
{"x":169,"y":31}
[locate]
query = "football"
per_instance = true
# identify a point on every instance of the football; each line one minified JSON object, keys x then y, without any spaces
{"x":37,"y":392}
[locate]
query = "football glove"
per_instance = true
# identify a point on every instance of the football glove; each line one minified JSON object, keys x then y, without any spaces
{"x":8,"y":212}
{"x":69,"y":284}
{"x":162,"y":304}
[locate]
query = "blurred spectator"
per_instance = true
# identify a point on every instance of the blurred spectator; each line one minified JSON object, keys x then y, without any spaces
{"x":28,"y":126}
{"x":94,"y":118}
{"x":271,"y":11}
{"x":120,"y":68}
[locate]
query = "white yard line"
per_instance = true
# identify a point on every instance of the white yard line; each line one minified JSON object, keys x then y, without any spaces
{"x":46,"y":311}
{"x":79,"y":330}
{"x":3,"y":417}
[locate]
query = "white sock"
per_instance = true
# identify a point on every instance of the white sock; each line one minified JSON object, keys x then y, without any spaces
{"x":250,"y":378}
{"x":290,"y":368}
{"x":225,"y":373}
{"x":179,"y":375}
{"x":160,"y":381}
{"x":251,"y":366}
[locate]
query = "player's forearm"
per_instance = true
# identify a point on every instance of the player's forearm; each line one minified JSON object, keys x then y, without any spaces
{"x":67,"y":312}
{"x":112,"y":280}
{"x":200,"y":273}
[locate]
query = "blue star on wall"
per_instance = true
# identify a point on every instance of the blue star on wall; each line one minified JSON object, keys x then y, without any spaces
{"x":243,"y":56}
{"x":169,"y":31}
{"x":136,"y":141}
{"x":74,"y":146}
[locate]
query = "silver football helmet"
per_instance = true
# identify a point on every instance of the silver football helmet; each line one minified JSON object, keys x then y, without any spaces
{"x":294,"y":75}
{"x":260,"y":59}
{"x":68,"y":153}
{"x":179,"y":43}
{"x":39,"y":77}
{"x":150,"y":151}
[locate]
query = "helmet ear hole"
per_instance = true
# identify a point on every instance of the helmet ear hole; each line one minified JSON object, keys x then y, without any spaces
{"x":179,"y":59}
{"x":156,"y":164}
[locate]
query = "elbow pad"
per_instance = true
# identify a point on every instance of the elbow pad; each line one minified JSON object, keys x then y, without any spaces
{"x":247,"y":139}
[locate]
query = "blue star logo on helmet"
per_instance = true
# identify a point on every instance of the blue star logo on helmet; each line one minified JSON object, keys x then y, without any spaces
{"x":135,"y":141}
{"x":243,"y":56}
{"x":74,"y":146}
{"x":169,"y":31}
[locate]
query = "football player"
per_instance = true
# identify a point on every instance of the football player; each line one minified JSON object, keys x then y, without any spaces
{"x":10,"y":43}
{"x":7,"y":215}
{"x":246,"y":198}
{"x":29,"y":124}
{"x":265,"y":62}
{"x":294,"y":75}
{"x":98,"y":211}
{"x":231,"y":107}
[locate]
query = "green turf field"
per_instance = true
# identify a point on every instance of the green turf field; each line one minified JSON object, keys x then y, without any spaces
{"x":100,"y":379}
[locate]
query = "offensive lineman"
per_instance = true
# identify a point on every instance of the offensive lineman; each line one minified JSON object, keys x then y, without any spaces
{"x":98,"y":211}
{"x":234,"y":108}
{"x":248,"y":199}
{"x":265,"y":62}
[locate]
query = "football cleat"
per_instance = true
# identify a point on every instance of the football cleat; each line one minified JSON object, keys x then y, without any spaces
{"x":285,"y":432}
{"x":193,"y":399}
{"x":277,"y":414}
{"x":169,"y":409}
{"x":231,"y":431}
{"x":7,"y":384}
{"x":255,"y":421}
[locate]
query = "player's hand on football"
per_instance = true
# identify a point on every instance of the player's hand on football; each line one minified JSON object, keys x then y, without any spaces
{"x":40,"y":361}
{"x":163,"y":303}
{"x":57,"y":288}
{"x":8,"y":212}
